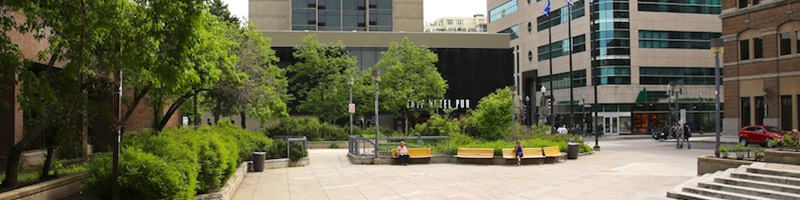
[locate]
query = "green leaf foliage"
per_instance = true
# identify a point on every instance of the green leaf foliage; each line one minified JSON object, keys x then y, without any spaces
{"x":409,"y":75}
{"x":311,"y":128}
{"x":491,"y":120}
{"x":142,"y":176}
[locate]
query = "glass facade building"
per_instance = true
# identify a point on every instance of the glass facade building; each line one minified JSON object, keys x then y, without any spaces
{"x":342,"y":15}
{"x":610,"y":26}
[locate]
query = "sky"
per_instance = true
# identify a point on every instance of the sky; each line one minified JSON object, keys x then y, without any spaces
{"x":432,"y":9}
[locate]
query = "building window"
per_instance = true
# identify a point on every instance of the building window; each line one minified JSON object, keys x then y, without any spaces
{"x":742,"y":3}
{"x":380,"y":4}
{"x":304,"y":17}
{"x":353,"y":5}
{"x":786,"y":43}
{"x":745,"y":111}
{"x":449,"y":22}
{"x":798,"y":110}
{"x":561,"y":80}
{"x":304,"y":3}
{"x":380,"y":17}
{"x":756,"y":2}
{"x":681,"y":6}
{"x":744,"y":50}
{"x":560,"y":16}
{"x":460,"y":22}
{"x":530,"y":56}
{"x":353,"y":19}
{"x":562,"y":48}
{"x":501,"y":11}
{"x":676,"y":39}
{"x":760,"y":110}
{"x":329,"y":5}
{"x":530,"y":27}
{"x":330,"y":18}
{"x":797,"y":41}
{"x":786,"y":112}
{"x":514,"y":31}
{"x":687,"y":75}
{"x":758,"y":48}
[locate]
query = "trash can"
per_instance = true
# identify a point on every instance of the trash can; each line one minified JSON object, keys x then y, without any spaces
{"x":258,"y":161}
{"x":572,"y":150}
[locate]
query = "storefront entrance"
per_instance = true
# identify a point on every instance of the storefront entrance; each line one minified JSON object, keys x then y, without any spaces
{"x":615,"y":123}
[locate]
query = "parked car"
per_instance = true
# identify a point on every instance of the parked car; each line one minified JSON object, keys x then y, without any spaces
{"x":760,"y":134}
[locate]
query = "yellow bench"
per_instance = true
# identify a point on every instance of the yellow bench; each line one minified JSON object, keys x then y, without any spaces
{"x":415,"y":153}
{"x":475,"y":153}
{"x":553,"y":152}
{"x":526,"y":153}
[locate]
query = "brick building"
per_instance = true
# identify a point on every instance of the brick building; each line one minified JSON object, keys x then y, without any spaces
{"x":762,"y":63}
{"x":98,"y":132}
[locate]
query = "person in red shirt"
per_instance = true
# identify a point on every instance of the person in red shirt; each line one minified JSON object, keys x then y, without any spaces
{"x":402,"y":153}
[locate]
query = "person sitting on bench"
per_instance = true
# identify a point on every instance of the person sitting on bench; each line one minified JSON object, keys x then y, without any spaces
{"x":518,"y":152}
{"x":402,"y":153}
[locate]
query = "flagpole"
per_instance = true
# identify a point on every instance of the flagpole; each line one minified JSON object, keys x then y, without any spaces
{"x":569,"y":38}
{"x":595,"y":81}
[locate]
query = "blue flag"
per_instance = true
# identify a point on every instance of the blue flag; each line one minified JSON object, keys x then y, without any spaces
{"x":591,"y":1}
{"x":547,"y":9}
{"x":572,"y":3}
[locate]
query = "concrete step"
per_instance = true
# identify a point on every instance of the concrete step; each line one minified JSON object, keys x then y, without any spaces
{"x":774,"y":171}
{"x":758,"y":184}
{"x":689,"y":196}
{"x":720,"y":194}
{"x":748,"y":190}
{"x":766,"y":178}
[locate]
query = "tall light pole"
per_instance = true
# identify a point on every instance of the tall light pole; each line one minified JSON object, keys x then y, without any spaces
{"x":351,"y":81}
{"x":717,"y":47}
{"x":376,"y":76}
{"x":541,"y":109}
{"x":513,"y":117}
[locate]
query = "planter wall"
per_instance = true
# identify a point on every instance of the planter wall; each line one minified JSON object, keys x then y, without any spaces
{"x":784,"y":157}
{"x":53,"y":189}
{"x":285,"y":162}
{"x":326,"y":144}
{"x":711,"y":164}
{"x":229,"y":189}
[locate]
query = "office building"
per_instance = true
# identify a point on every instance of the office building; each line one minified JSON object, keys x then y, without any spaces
{"x":337,"y":15}
{"x":638,"y":49}
{"x":476,"y":23}
{"x":762,"y":64}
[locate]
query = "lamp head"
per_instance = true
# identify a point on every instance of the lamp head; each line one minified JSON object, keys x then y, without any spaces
{"x":543,"y":90}
{"x":351,"y":80}
{"x":717,"y":46}
{"x":376,"y":75}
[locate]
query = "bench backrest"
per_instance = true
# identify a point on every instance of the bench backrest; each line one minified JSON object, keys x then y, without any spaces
{"x":415,"y":152}
{"x":527,"y":152}
{"x":551,"y":151}
{"x":477,"y":152}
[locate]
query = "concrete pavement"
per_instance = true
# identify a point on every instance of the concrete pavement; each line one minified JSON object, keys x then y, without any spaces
{"x":624,"y":169}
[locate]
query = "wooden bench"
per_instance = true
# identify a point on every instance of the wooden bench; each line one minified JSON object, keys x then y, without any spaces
{"x":554,"y":152}
{"x":528,"y":153}
{"x":475,"y":153}
{"x":424,"y":153}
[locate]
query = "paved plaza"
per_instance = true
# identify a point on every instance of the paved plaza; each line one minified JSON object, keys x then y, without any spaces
{"x":624,"y":169}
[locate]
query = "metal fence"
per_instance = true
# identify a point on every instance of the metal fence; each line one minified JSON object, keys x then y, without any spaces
{"x":364,"y":146}
{"x":292,"y":138}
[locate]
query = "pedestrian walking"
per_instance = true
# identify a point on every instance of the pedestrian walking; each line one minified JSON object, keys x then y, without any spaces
{"x":678,"y":136}
{"x":687,"y":133}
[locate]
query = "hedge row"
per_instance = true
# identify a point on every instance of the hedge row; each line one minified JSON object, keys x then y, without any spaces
{"x":311,"y":128}
{"x":177,"y":163}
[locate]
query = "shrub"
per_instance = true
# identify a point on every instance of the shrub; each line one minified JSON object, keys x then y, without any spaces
{"x":491,"y":120}
{"x":142,"y":176}
{"x":311,"y":128}
{"x":297,"y":151}
{"x":437,"y":126}
{"x":278,"y":150}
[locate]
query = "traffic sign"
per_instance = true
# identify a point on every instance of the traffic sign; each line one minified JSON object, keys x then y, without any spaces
{"x":351,"y":108}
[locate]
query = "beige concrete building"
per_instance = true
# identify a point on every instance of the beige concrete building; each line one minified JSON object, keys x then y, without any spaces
{"x":638,"y":48}
{"x":337,"y":15}
{"x":476,"y":23}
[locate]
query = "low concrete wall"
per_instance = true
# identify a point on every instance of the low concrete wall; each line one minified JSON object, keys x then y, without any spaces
{"x":326,"y":144}
{"x":711,"y":164}
{"x":444,"y":159}
{"x":229,"y":189}
{"x":285,"y":162}
{"x":53,"y":189}
{"x":785,"y":157}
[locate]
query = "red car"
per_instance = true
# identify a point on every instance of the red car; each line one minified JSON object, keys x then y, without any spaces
{"x":760,"y":134}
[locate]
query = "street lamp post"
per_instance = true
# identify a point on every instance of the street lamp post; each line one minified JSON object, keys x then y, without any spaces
{"x":376,"y":75}
{"x":717,"y":48}
{"x":351,"y":82}
{"x":513,"y":117}
{"x":544,"y":118}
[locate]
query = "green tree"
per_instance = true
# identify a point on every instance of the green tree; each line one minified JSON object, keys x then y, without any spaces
{"x":409,"y":76}
{"x":491,"y":120}
{"x":319,"y":78}
{"x":260,"y":90}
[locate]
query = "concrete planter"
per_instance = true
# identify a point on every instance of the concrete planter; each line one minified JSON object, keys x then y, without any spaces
{"x":785,"y":157}
{"x":53,"y":189}
{"x":711,"y":164}
{"x":285,"y":162}
{"x":326,"y":144}
{"x":229,"y":189}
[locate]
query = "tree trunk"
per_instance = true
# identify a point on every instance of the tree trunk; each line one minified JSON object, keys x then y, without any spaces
{"x":243,"y":116}
{"x":406,"y":125}
{"x":173,"y":108}
{"x":48,"y":159}
{"x":12,"y":166}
